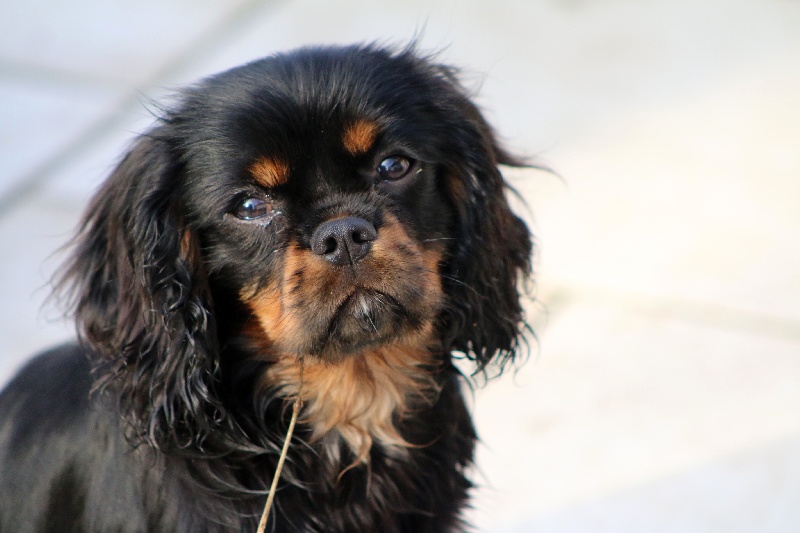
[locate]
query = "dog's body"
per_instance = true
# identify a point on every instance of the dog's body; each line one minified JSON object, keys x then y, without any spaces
{"x":328,"y":225}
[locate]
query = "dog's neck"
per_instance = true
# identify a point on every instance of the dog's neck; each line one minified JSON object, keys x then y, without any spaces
{"x":362,"y":397}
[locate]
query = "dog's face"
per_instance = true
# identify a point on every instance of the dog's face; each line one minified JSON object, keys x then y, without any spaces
{"x":328,"y":210}
{"x":323,"y":189}
{"x":340,"y":199}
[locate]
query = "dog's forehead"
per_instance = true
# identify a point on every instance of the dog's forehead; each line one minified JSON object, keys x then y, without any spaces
{"x":355,"y":137}
{"x":317,"y":112}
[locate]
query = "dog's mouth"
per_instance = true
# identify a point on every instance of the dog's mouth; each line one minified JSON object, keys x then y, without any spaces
{"x":365,"y":318}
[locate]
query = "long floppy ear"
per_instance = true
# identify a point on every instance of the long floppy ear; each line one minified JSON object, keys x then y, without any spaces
{"x":141,"y":300}
{"x":492,"y":250}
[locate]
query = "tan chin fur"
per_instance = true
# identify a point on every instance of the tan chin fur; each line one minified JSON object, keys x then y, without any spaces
{"x":361,"y":396}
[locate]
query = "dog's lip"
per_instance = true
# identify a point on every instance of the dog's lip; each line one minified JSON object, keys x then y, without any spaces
{"x":360,"y":299}
{"x":358,"y":305}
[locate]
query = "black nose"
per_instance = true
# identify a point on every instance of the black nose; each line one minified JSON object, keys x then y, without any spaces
{"x":343,"y":241}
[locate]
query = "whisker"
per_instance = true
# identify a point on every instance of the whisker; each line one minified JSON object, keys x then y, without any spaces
{"x":366,"y":313}
{"x":454,"y":280}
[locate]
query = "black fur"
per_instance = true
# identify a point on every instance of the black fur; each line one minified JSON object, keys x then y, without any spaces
{"x":159,"y":419}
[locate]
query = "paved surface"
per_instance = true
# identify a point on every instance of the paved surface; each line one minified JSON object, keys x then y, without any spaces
{"x":665,"y":391}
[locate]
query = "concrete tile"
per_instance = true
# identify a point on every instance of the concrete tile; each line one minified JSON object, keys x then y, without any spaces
{"x":615,"y":400}
{"x":755,"y":491}
{"x":580,"y":66}
{"x":125,"y":42}
{"x":73,"y":182}
{"x":308,"y":22}
{"x":38,"y":121}
{"x":694,"y":202}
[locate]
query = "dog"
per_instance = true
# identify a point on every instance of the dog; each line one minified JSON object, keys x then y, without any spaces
{"x":324,"y":228}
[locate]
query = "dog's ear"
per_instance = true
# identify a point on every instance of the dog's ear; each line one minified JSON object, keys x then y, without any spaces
{"x":141,"y":299}
{"x":492,"y":247}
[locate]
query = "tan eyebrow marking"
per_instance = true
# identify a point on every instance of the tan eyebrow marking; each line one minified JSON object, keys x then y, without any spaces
{"x":359,"y":136}
{"x":270,"y":171}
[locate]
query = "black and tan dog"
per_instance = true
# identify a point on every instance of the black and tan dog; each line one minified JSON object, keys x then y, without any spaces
{"x":331,"y":217}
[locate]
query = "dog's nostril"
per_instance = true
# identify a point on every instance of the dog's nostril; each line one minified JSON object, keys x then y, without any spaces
{"x":343,"y":241}
{"x":329,"y":245}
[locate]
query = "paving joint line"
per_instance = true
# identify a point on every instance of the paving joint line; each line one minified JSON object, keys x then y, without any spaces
{"x":561,"y":296}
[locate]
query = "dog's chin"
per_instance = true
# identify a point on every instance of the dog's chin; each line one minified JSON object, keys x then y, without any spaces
{"x":365,"y":320}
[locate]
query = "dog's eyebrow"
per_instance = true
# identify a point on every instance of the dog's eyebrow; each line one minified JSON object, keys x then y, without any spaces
{"x":359,"y":136}
{"x":269,"y":171}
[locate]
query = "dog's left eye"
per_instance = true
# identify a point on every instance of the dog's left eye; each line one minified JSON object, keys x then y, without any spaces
{"x":393,"y":168}
{"x":253,"y":208}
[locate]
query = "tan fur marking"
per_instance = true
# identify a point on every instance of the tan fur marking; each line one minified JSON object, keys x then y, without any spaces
{"x":190,"y":251}
{"x":269,"y":308}
{"x":359,"y":397}
{"x":188,"y":245}
{"x":359,"y":137}
{"x":270,"y":171}
{"x":385,"y":258}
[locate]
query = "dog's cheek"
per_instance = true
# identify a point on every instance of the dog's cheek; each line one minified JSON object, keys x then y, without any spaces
{"x":242,"y":256}
{"x":267,"y":307}
{"x":290,"y":305}
{"x":311,"y":295}
{"x":408,"y":271}
{"x":429,"y":207}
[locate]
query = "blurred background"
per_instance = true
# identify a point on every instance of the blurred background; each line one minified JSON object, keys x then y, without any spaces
{"x":664,"y":391}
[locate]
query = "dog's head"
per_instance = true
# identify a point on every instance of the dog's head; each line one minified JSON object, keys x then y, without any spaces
{"x":325,"y":202}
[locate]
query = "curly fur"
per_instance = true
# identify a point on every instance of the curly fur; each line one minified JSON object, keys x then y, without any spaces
{"x":169,"y":414}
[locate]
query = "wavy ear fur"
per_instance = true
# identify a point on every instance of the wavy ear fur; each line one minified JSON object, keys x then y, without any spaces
{"x":493,"y":248}
{"x":141,"y":300}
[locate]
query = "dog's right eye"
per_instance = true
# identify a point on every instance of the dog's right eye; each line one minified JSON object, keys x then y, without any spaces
{"x":394,"y":168}
{"x":253,"y":208}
